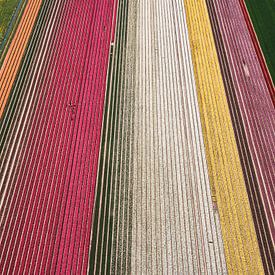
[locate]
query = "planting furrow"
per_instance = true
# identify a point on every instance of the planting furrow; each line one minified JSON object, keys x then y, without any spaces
{"x":60,"y":149}
{"x":254,"y":101}
{"x":91,"y":146}
{"x":37,"y":218}
{"x":226,"y":176}
{"x":31,"y":103}
{"x":261,"y":225}
{"x":8,"y":133}
{"x":114,"y":17}
{"x":10,"y":117}
{"x":12,"y":144}
{"x":59,"y":141}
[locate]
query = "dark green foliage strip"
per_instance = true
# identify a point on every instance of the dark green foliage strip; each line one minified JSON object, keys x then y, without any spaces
{"x":262,"y":13}
{"x":104,"y":221}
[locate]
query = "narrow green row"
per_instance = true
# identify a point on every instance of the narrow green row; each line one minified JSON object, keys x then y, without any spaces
{"x":106,"y":205}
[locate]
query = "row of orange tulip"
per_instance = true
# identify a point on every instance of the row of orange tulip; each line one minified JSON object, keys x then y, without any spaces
{"x":16,"y":51}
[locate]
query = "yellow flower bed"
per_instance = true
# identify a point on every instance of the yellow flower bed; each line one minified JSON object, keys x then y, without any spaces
{"x":226,"y":176}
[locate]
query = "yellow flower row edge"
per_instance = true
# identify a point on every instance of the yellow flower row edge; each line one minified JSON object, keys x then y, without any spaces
{"x":225,"y":172}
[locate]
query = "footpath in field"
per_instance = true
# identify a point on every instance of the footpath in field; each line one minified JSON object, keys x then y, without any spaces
{"x":50,"y":134}
{"x":154,"y":212}
{"x":253,"y":116}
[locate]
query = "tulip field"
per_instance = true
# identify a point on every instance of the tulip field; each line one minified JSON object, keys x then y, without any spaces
{"x":137,"y":137}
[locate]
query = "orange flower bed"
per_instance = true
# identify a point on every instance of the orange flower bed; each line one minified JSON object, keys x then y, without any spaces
{"x":16,"y":51}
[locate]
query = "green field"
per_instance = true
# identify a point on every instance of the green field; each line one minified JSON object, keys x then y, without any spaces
{"x":262,"y":13}
{"x":7,"y":7}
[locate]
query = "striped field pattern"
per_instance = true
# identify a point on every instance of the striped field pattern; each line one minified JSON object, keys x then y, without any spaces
{"x":226,"y":176}
{"x":251,"y":107}
{"x":136,"y":137}
{"x":56,"y":130}
{"x":159,"y":177}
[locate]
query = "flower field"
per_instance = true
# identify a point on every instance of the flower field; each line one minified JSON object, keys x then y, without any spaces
{"x":136,"y":137}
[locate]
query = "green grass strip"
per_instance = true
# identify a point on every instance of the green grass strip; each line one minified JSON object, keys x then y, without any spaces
{"x":262,"y":13}
{"x":7,"y":8}
{"x":10,"y":14}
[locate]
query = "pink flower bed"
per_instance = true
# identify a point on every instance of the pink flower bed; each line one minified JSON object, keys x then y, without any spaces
{"x":48,"y":227}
